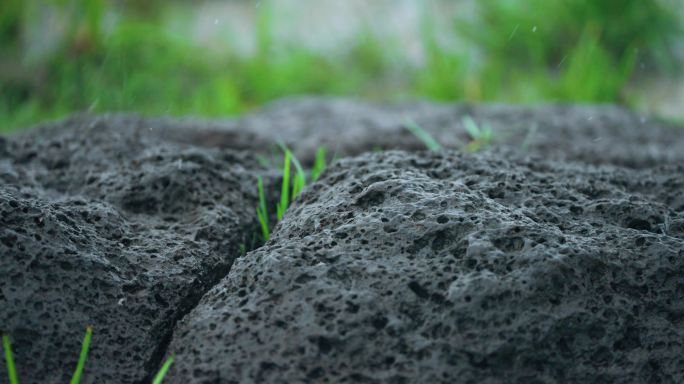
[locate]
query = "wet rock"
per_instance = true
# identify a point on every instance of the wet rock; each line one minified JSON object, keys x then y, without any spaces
{"x":555,"y":256}
{"x":444,"y":268}
{"x":105,"y":222}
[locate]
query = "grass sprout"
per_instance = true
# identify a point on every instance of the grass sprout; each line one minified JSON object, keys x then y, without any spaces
{"x":299,"y":180}
{"x":285,"y":188}
{"x":159,"y":377}
{"x":262,"y":213}
{"x":76,"y":379}
{"x":531,"y":132}
{"x":319,"y":164}
{"x":423,"y":136}
{"x":293,"y":183}
{"x":481,"y":137}
{"x":9,"y":360}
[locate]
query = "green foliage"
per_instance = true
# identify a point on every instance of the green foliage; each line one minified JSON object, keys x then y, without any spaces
{"x":443,"y":77}
{"x":319,"y":164}
{"x":293,"y":183}
{"x":541,"y":32}
{"x":159,"y":377}
{"x":76,"y":379}
{"x":285,"y":188}
{"x":10,"y":21}
{"x":587,"y":74}
{"x":481,"y":137}
{"x":262,"y":213}
{"x":299,"y":180}
{"x":141,"y":66}
{"x":568,"y":50}
{"x":9,"y":360}
{"x":592,"y":74}
{"x":512,"y":51}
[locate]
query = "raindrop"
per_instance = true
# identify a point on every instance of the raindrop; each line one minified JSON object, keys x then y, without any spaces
{"x":514,"y":31}
{"x":215,"y":21}
{"x":562,"y":61}
{"x":534,"y":29}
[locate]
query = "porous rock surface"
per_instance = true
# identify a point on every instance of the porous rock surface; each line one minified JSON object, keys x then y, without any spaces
{"x":556,"y":256}
{"x":111,"y":225}
{"x":452,"y":268}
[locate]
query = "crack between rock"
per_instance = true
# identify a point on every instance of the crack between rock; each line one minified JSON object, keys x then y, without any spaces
{"x":160,"y":353}
{"x":158,"y":357}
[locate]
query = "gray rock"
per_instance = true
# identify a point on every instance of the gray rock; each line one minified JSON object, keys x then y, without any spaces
{"x":109,"y":224}
{"x":591,"y":134}
{"x":587,"y":133}
{"x":559,"y":262}
{"x":452,"y":268}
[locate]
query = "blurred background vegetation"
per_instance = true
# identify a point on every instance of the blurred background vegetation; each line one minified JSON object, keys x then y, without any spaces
{"x":223,"y":58}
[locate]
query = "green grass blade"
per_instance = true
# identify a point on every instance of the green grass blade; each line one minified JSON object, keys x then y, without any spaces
{"x":423,"y":136}
{"x":285,"y":190}
{"x":319,"y":164}
{"x":76,"y":379}
{"x":163,"y":371}
{"x":487,"y":136}
{"x":299,"y":181}
{"x":529,"y":136}
{"x":298,"y":185}
{"x":262,"y":213}
{"x":263,"y":221}
{"x":9,"y":360}
{"x":298,"y":165}
{"x":472,"y":128}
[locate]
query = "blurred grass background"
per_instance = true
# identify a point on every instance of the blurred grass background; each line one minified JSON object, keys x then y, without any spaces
{"x":64,"y":56}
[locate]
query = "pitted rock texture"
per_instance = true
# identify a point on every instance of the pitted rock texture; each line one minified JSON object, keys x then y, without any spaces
{"x":565,"y":266}
{"x":452,"y":268}
{"x":111,"y":223}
